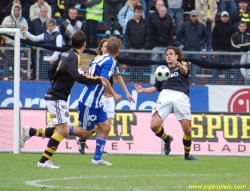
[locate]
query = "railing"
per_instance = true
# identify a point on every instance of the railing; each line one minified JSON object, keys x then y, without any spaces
{"x":7,"y":62}
{"x":144,"y":74}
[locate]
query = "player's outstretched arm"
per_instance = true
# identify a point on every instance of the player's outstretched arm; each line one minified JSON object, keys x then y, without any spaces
{"x":120,"y":81}
{"x":150,"y":90}
{"x":182,"y":68}
{"x":111,"y":90}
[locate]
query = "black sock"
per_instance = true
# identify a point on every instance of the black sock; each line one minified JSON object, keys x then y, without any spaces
{"x":32,"y":131}
{"x":45,"y":132}
{"x":160,"y":133}
{"x":53,"y":143}
{"x":187,"y":141}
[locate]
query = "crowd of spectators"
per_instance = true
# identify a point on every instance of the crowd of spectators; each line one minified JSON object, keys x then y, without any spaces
{"x":141,"y":28}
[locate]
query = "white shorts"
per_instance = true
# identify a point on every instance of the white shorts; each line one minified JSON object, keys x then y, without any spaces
{"x":59,"y":112}
{"x":109,"y":106}
{"x":177,"y":100}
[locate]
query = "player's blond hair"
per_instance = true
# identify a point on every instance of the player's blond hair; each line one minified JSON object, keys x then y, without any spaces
{"x":114,"y":45}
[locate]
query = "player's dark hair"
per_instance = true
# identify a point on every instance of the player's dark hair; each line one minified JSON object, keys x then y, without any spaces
{"x":99,"y":48}
{"x":138,"y":7}
{"x":114,"y":44}
{"x":78,"y":39}
{"x":177,"y":51}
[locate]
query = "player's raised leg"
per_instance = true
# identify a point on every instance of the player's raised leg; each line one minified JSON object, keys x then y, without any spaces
{"x":29,"y":132}
{"x":156,"y":127}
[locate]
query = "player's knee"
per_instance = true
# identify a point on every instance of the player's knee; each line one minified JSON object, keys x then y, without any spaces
{"x":107,"y":128}
{"x":154,"y":128}
{"x":187,"y":131}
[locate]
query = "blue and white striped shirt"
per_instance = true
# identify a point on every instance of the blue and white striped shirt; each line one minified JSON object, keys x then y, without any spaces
{"x":103,"y":66}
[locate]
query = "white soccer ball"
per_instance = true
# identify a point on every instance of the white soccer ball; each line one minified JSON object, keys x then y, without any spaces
{"x":162,"y":73}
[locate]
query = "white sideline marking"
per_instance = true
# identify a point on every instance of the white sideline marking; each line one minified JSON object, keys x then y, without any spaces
{"x":39,"y":183}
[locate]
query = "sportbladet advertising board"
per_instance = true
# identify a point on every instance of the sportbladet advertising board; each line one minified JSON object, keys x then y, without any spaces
{"x":32,"y":96}
{"x":213,"y":133}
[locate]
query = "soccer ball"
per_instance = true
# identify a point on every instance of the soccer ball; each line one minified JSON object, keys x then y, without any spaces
{"x":162,"y":73}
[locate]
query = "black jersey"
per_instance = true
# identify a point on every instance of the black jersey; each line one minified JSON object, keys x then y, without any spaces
{"x":64,"y":72}
{"x":177,"y":81}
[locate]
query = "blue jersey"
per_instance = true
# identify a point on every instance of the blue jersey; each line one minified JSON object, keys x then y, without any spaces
{"x":103,"y":66}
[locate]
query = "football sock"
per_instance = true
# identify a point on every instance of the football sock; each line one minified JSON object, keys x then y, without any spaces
{"x":82,"y":140}
{"x":53,"y":143}
{"x":100,"y":144}
{"x":187,"y":144}
{"x":160,"y":133}
{"x":44,"y":132}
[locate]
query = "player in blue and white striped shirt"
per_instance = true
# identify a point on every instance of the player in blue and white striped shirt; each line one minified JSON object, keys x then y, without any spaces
{"x":91,"y":109}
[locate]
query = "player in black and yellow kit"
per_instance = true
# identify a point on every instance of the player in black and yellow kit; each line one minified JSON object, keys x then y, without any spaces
{"x":65,"y":71}
{"x":174,"y":94}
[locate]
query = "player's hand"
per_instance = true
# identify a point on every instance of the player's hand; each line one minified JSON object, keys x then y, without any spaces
{"x":117,"y":98}
{"x":138,"y":88}
{"x":107,"y":94}
{"x":130,"y":97}
{"x":104,"y":83}
{"x":51,"y":61}
{"x":178,"y":65}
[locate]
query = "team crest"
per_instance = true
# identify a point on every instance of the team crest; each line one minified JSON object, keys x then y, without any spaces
{"x":53,"y":116}
{"x":89,"y":123}
{"x":67,"y":114}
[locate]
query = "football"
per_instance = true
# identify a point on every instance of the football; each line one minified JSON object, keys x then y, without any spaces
{"x":162,"y":73}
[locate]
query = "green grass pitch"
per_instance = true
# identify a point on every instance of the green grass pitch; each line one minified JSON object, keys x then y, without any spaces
{"x":18,"y":172}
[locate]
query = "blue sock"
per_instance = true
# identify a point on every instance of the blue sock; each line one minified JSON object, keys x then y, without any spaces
{"x":100,"y":144}
{"x":71,"y":129}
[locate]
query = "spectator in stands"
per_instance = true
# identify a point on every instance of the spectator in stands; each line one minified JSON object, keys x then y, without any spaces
{"x":142,"y":2}
{"x":14,"y":20}
{"x":137,"y":37}
{"x":161,"y":31}
{"x":227,"y":5}
{"x":148,"y":7}
{"x":153,"y":16}
{"x":110,"y":5}
{"x":27,"y":4}
{"x":192,"y":35}
{"x":70,"y":26}
{"x":52,"y":37}
{"x":237,"y":2}
{"x":3,"y":5}
{"x":190,"y":5}
{"x":94,"y":13}
{"x":37,"y":27}
{"x":78,"y":4}
{"x":60,"y":9}
{"x":241,"y":13}
{"x":240,"y":43}
{"x":127,"y":13}
{"x":221,"y":41}
{"x":175,"y":11}
{"x":207,"y":11}
{"x":35,"y":9}
{"x":8,"y":8}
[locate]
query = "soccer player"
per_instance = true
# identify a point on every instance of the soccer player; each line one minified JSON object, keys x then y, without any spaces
{"x":92,"y":110}
{"x":174,"y":93}
{"x":67,"y":72}
{"x":107,"y":98}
